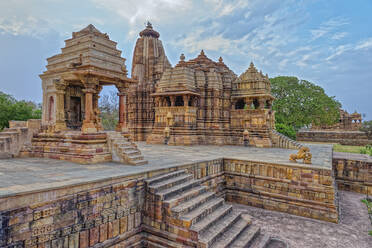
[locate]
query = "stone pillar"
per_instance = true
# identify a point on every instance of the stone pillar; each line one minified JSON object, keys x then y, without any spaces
{"x":261,"y":103}
{"x":173,"y":101}
{"x":121,"y":127}
{"x":60,"y":123}
{"x":88,"y":123}
{"x":248,"y":102}
{"x":96,"y":111}
{"x":186,"y":99}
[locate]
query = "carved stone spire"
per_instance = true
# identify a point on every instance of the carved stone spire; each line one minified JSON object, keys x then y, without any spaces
{"x":149,"y":31}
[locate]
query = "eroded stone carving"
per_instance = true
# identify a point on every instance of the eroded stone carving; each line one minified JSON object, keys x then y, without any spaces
{"x":303,"y":153}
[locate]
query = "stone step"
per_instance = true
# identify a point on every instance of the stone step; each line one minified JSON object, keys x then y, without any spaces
{"x":130,"y":152}
{"x":138,"y":162}
{"x":247,"y":237}
{"x":178,"y":189}
{"x":191,"y":204}
{"x":67,"y":149}
{"x":185,"y":196}
{"x":228,"y":237}
{"x":127,"y":148}
{"x":212,"y":234}
{"x":168,"y":183}
{"x":135,"y":157}
{"x":261,"y":241}
{"x":201,"y":211}
{"x":162,"y":177}
{"x":122,"y":143}
{"x":211,"y":219}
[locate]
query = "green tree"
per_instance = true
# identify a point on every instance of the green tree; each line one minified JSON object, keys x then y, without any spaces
{"x":11,"y":109}
{"x":109,"y":108}
{"x":286,"y":130}
{"x":299,"y":103}
{"x":367,"y":128}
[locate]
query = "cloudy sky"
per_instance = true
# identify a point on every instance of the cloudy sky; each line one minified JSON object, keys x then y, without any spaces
{"x":328,"y":42}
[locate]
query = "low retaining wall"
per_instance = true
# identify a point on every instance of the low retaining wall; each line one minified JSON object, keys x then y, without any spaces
{"x":353,"y":172}
{"x":341,"y":137}
{"x":108,"y":212}
{"x":301,"y":190}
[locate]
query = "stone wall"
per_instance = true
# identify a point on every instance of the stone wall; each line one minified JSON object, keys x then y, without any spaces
{"x":109,"y":213}
{"x":341,"y":137}
{"x":101,"y":215}
{"x":19,"y":133}
{"x":353,"y":172}
{"x":301,"y":190}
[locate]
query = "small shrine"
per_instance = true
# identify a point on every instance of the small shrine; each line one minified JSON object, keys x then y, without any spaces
{"x":71,"y":126}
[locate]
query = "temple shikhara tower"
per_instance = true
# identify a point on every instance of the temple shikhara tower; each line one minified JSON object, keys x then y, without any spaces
{"x":149,"y":63}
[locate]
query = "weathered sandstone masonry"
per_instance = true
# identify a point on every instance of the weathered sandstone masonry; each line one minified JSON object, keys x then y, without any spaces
{"x":110,"y":212}
{"x":299,"y":190}
{"x":19,"y":133}
{"x":355,"y":138}
{"x":353,"y":172}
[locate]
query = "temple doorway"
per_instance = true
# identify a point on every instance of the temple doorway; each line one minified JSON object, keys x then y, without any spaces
{"x":108,"y":105}
{"x":75,"y":117}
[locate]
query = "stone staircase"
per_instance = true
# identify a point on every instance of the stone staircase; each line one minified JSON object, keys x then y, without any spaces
{"x":123,"y":149}
{"x":282,"y":141}
{"x":180,"y":206}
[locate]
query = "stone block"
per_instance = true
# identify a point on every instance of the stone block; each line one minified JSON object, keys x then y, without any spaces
{"x":103,"y":232}
{"x":93,"y":236}
{"x":84,"y":239}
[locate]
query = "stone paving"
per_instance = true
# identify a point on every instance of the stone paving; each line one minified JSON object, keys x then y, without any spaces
{"x":351,"y":232}
{"x":30,"y":174}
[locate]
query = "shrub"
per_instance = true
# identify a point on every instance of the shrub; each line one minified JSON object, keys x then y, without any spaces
{"x":286,"y":130}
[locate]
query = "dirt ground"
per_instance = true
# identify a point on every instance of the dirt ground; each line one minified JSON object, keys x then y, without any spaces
{"x":299,"y":232}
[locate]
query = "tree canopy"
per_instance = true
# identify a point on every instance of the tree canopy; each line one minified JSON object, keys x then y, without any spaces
{"x":109,"y":108}
{"x":11,"y":109}
{"x":299,"y":103}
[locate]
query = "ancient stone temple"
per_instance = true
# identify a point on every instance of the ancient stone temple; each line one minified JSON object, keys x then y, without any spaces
{"x":203,"y":102}
{"x":347,"y":122}
{"x":75,"y":77}
{"x":149,"y":63}
{"x":346,"y":131}
{"x":71,"y":87}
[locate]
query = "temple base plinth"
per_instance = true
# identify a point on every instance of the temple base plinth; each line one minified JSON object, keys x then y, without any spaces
{"x":89,"y":127}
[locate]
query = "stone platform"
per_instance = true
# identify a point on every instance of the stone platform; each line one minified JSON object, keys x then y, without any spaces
{"x":54,"y":203}
{"x":22,"y":175}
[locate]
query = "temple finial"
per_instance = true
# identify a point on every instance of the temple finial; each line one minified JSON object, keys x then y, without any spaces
{"x":202,"y":52}
{"x":182,"y":57}
{"x":220,"y":60}
{"x":149,"y":25}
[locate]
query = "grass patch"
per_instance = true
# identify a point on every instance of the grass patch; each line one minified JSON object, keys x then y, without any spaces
{"x":351,"y":149}
{"x":369,"y":208}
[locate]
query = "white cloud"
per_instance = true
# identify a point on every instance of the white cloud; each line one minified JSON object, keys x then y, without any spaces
{"x":339,"y":35}
{"x":29,"y":25}
{"x":136,"y":13}
{"x":328,"y":27}
{"x":339,"y":50}
{"x":364,"y":44}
